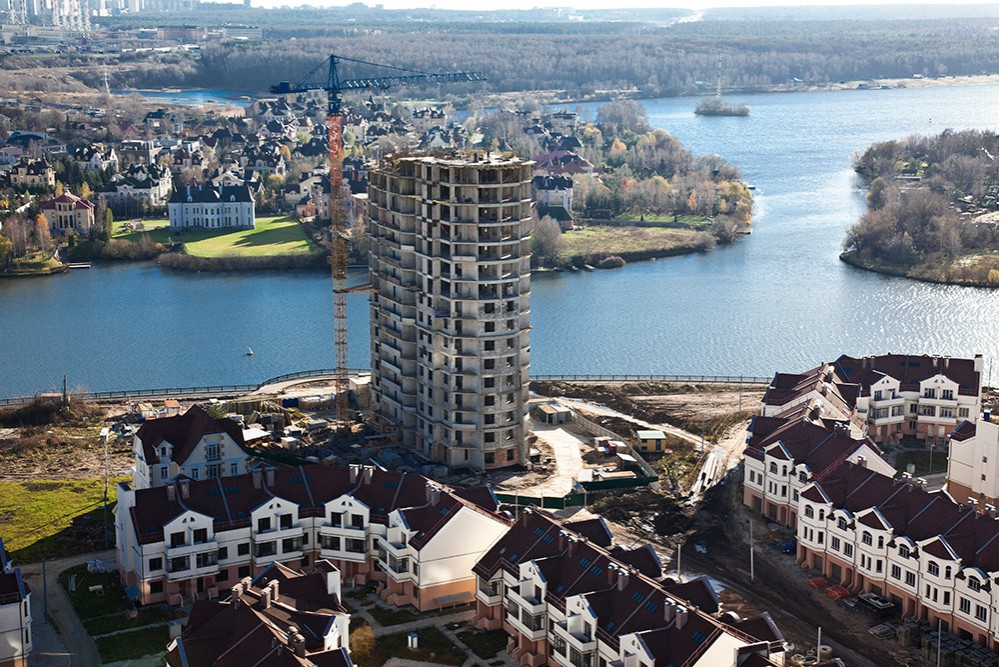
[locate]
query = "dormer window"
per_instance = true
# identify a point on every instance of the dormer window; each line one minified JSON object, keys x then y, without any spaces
{"x":974,"y":584}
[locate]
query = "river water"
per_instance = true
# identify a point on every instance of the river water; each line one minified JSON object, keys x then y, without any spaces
{"x":777,"y":300}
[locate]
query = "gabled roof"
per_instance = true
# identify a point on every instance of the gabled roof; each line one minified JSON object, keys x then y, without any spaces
{"x":184,"y":432}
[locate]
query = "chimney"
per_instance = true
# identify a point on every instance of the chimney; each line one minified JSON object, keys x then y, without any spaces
{"x":369,"y":472}
{"x":355,"y":468}
{"x":237,"y":594}
{"x":622,"y":579}
{"x":265,"y":598}
{"x":333,"y":581}
{"x":865,"y":362}
{"x":563,"y":539}
{"x":433,"y":493}
{"x":611,"y":572}
{"x":572,"y":544}
{"x":525,"y":515}
{"x":681,"y":617}
{"x":171,"y":492}
{"x":185,"y":488}
{"x":946,"y":362}
{"x":862,"y":461}
{"x":669,"y":611}
{"x":297,"y":642}
{"x":921,"y":483}
{"x":269,"y":472}
{"x":979,"y":363}
{"x":275,"y":590}
{"x":258,"y":478}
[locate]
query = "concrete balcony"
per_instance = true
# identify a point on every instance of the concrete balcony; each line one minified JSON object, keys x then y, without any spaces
{"x":534,"y":629}
{"x":531,"y":604}
{"x":190,"y":549}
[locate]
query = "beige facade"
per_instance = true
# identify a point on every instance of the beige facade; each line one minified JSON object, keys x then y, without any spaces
{"x":450,"y":313}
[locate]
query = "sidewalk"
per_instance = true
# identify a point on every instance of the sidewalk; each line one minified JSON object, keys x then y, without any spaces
{"x":78,"y":645}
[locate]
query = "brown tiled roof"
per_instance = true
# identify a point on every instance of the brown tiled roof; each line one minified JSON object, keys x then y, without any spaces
{"x":643,"y":558}
{"x":917,"y":514}
{"x":183,"y":432}
{"x":909,"y":370}
{"x":231,"y":500}
{"x":804,"y":441}
{"x":964,"y":431}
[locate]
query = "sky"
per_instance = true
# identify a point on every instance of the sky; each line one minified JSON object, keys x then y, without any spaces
{"x":602,"y":4}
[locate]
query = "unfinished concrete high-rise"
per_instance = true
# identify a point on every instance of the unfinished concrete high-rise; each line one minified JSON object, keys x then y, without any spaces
{"x":450,"y":313}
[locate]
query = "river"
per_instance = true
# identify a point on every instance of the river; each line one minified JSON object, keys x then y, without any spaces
{"x":777,"y":300}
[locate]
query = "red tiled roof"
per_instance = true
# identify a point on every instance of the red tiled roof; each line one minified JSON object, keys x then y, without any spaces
{"x":910,"y":370}
{"x":66,"y":198}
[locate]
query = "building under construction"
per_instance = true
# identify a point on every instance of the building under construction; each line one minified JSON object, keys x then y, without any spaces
{"x":450,"y":310}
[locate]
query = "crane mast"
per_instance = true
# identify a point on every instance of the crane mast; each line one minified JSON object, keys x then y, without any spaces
{"x":334,"y":86}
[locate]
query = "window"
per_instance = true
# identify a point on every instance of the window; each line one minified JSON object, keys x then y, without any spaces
{"x":946,"y":412}
{"x":809,"y":511}
{"x":176,"y":540}
{"x":896,"y":572}
{"x":841,"y":523}
{"x":964,"y":604}
{"x":910,"y":578}
{"x":243,"y":549}
{"x":947,"y":394}
{"x":947,"y":572}
{"x":981,"y":613}
{"x":962,"y":412}
{"x":155,"y":587}
{"x":929,"y":393}
{"x":773,"y":468}
{"x":867,"y":538}
{"x":946,"y":598}
{"x":878,"y":395}
{"x":263,"y":525}
{"x":848,"y":550}
{"x":834,"y":543}
{"x":234,"y":468}
{"x":903,"y":551}
{"x":802,"y":477}
{"x":933,"y":569}
{"x":155,"y":564}
{"x":212,"y":451}
{"x":243,"y":572}
{"x":357,"y":521}
{"x":267,"y":549}
{"x":223,"y":553}
{"x":336,"y":519}
{"x":213,"y":470}
{"x":928,"y":410}
{"x":285,"y":521}
{"x":974,"y":584}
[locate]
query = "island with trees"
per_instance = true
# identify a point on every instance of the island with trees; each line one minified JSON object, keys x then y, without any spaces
{"x":933,"y":209}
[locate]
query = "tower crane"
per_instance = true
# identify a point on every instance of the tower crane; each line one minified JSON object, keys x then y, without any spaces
{"x":334,"y":86}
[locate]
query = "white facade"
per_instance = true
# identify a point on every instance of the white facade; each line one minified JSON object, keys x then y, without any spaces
{"x":973,"y":466}
{"x":16,"y":638}
{"x":215,"y":455}
{"x":213,"y":215}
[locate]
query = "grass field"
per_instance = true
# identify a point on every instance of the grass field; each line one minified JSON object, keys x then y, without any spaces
{"x":53,"y":517}
{"x":599,"y":240}
{"x":274,"y":235}
{"x":666,"y":220}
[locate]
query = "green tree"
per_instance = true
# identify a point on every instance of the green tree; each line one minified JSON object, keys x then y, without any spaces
{"x":108,"y":225}
{"x":6,"y":251}
{"x":547,"y":243}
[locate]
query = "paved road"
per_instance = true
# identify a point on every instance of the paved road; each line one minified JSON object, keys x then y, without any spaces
{"x":79,"y":646}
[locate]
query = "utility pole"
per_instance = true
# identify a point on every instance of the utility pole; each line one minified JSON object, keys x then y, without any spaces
{"x":679,"y":570}
{"x":752,"y":569}
{"x":107,"y":472}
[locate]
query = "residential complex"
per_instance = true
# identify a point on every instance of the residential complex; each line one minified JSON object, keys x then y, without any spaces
{"x":15,"y":614}
{"x":933,"y":557}
{"x":568,"y":597}
{"x":450,"y":312}
{"x":417,"y":539}
{"x":895,"y":396}
{"x":281,"y":617}
{"x":193,"y":445}
{"x":973,"y":464}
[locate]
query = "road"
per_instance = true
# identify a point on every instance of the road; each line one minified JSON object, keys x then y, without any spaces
{"x":79,"y":645}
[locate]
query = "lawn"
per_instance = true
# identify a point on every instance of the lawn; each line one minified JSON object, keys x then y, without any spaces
{"x":131,"y":645}
{"x":600,"y":240}
{"x":272,"y":236}
{"x":91,"y":605}
{"x":54,"y":517}
{"x":390,"y":617}
{"x":666,"y":220}
{"x":484,"y":643}
{"x":922,"y":460}
{"x":156,"y":230}
{"x":433,"y":647}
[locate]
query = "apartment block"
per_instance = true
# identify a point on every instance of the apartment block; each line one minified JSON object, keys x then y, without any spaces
{"x":568,"y":597}
{"x":973,"y":464}
{"x":418,"y":540}
{"x":283,"y":617}
{"x":15,"y":614}
{"x":785,"y":454}
{"x":935,"y":558}
{"x":193,"y":444}
{"x":450,"y":312}
{"x":892,"y":396}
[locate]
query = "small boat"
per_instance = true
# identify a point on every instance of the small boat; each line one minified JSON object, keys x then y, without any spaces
{"x":588,"y":267}
{"x":249,"y":351}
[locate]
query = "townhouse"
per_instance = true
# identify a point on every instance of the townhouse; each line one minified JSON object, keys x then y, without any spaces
{"x":15,"y":614}
{"x":192,"y":444}
{"x":282,"y":617}
{"x":786,"y":453}
{"x":416,"y":539}
{"x":894,"y":396}
{"x":934,"y":558}
{"x":568,"y":597}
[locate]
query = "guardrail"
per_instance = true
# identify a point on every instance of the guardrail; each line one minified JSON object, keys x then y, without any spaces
{"x":224,"y":389}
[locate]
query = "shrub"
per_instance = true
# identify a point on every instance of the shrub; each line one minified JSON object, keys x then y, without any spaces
{"x":611,"y":262}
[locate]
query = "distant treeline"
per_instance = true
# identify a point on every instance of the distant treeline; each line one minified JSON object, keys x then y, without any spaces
{"x":647,"y":58}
